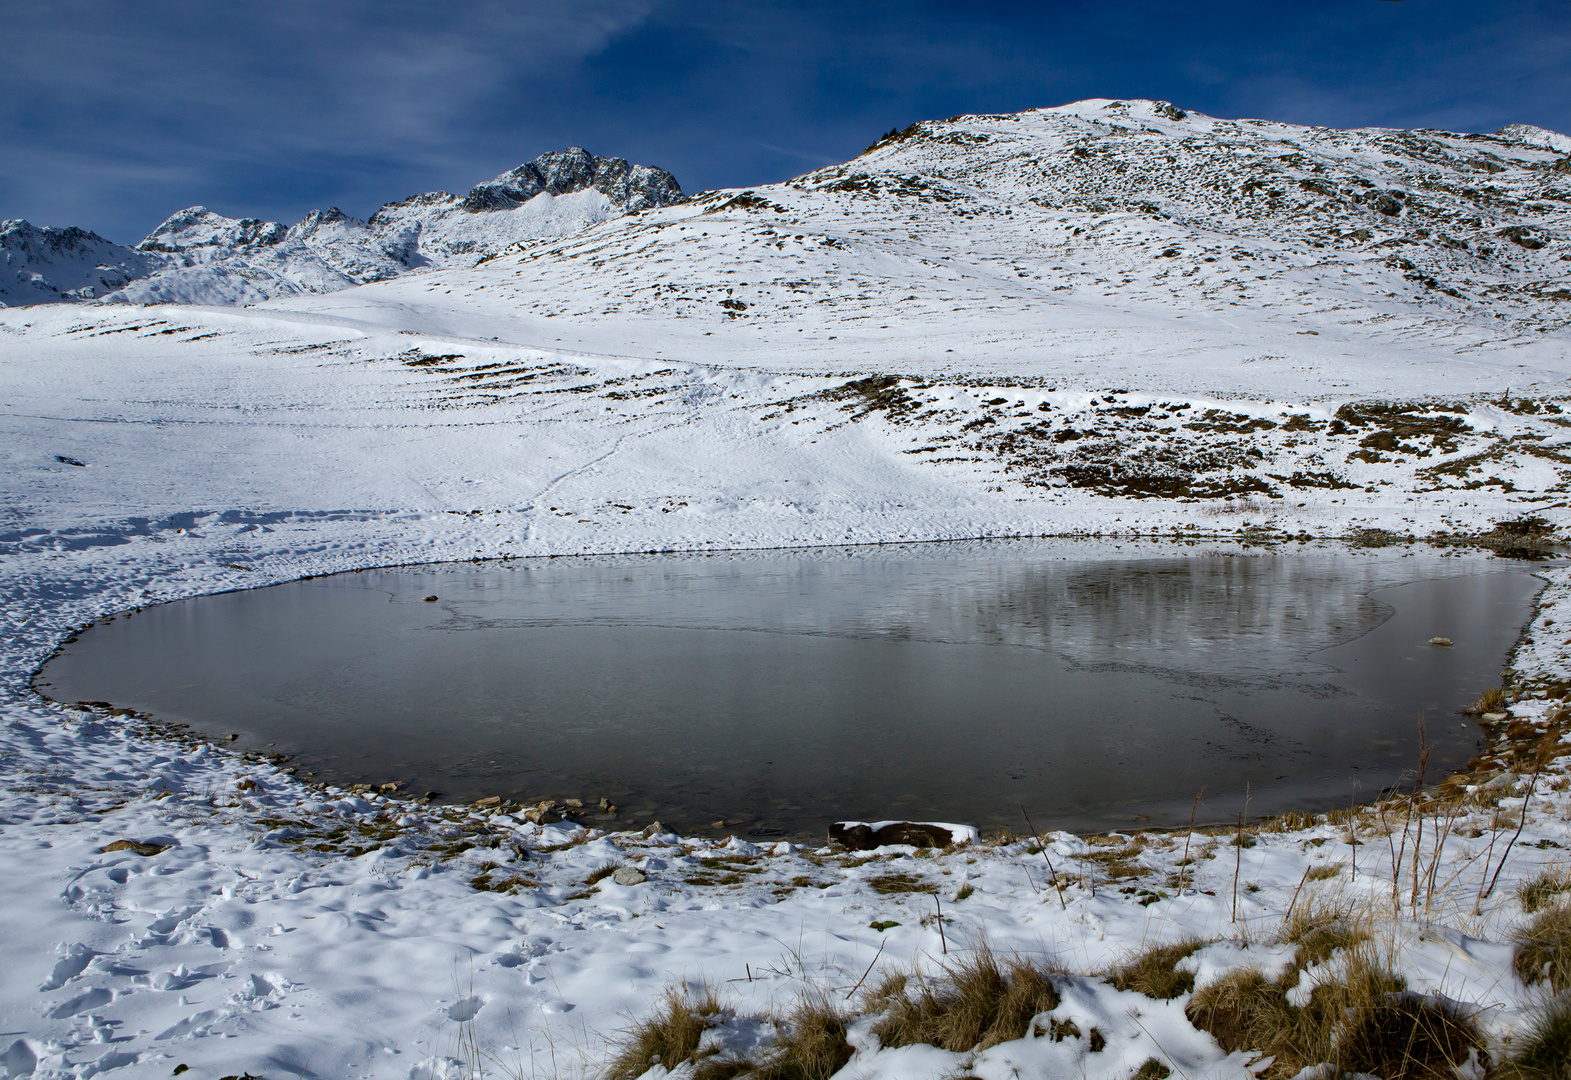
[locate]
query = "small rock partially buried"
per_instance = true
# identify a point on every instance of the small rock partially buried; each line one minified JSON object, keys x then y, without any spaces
{"x":136,"y":846}
{"x":629,"y":875}
{"x":1499,"y":783}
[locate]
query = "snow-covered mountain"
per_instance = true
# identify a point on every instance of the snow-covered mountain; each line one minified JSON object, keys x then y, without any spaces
{"x":45,"y":265}
{"x":1136,"y":205}
{"x":200,"y":257}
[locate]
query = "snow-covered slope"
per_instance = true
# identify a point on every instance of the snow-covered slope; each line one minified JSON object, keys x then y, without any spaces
{"x":200,"y":257}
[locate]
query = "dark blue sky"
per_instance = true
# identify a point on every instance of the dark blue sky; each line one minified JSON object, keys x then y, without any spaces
{"x":118,"y":113}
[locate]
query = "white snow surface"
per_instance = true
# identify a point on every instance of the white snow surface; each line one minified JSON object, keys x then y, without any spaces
{"x":941,"y":340}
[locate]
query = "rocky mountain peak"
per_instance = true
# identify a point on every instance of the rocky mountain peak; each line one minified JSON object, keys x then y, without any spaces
{"x":331,"y":216}
{"x":630,"y":188}
{"x":1543,"y":138}
{"x":47,"y":265}
{"x":199,"y":227}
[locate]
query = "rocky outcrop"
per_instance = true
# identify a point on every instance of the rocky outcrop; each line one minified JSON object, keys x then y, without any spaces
{"x":630,"y":188}
{"x":199,"y":227}
{"x":1543,"y":138}
{"x":554,"y":195}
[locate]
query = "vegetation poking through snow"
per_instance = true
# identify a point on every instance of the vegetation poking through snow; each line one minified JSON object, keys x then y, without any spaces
{"x":1360,"y":1018}
{"x":1154,"y":972}
{"x":976,"y":1001}
{"x":1543,"y":949}
{"x":1543,"y":1051}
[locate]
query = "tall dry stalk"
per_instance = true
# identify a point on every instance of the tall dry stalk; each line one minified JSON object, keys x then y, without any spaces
{"x":1506,"y":854}
{"x":1416,"y":803}
{"x":1238,"y":861}
{"x":1183,"y":863}
{"x":1489,"y":857}
{"x":1043,"y":845}
{"x":1443,"y":830}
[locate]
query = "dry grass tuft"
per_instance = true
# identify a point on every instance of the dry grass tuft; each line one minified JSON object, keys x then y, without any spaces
{"x":1543,"y":890}
{"x":1492,"y":700}
{"x":1152,"y":1069}
{"x":1543,"y":949}
{"x":601,"y":873}
{"x":1319,"y":930}
{"x":1406,"y":1037}
{"x":812,"y":1045}
{"x":978,"y":1002}
{"x":669,"y":1037}
{"x":1363,"y":1021}
{"x":1290,"y":821}
{"x":1545,"y":1051}
{"x":1153,"y":973}
{"x":1243,"y":1011}
{"x":890,"y":884}
{"x":721,"y":1067}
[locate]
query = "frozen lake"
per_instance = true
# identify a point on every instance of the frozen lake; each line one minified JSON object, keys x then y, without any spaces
{"x":1098,"y":685}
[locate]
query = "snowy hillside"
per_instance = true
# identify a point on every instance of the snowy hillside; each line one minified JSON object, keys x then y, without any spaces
{"x":1122,"y":253}
{"x":200,"y":257}
{"x":991,"y":225}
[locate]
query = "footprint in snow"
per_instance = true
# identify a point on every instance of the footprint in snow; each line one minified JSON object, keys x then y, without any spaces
{"x":464,"y":1008}
{"x":90,"y":999}
{"x":19,"y":1059}
{"x":73,"y":960}
{"x":191,"y":1024}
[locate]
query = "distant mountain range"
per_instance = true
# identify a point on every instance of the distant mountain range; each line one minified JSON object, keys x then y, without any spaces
{"x":1099,"y":202}
{"x":200,"y":257}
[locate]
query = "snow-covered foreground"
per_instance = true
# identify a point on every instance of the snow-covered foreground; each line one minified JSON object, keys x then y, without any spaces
{"x":245,"y":448}
{"x":519,"y":408}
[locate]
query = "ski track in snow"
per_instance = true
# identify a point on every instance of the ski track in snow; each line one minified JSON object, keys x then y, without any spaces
{"x":540,"y":404}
